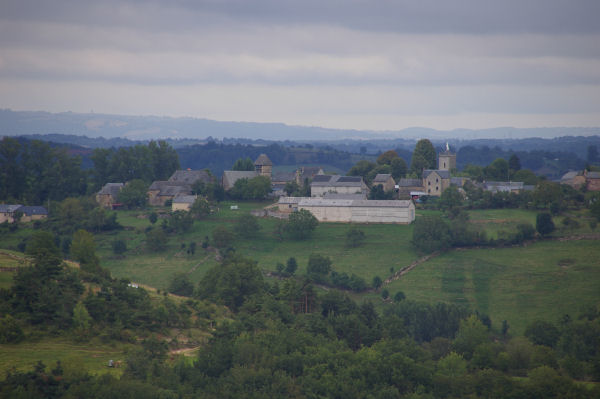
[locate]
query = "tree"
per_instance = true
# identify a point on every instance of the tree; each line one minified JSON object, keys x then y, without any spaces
{"x":291,"y":188}
{"x":81,"y":319}
{"x":423,"y":157}
{"x":291,"y":266}
{"x":514,"y":163}
{"x":134,"y":194}
{"x":355,"y":237}
{"x":41,"y":246}
{"x":301,"y":224}
{"x":377,"y":282}
{"x":232,"y":283}
{"x":200,"y":208}
{"x":542,"y":333}
{"x":377,"y":193}
{"x":318,"y":267}
{"x":398,"y":168}
{"x":181,"y":285}
{"x":544,"y":224}
{"x":471,"y":333}
{"x":247,"y":225}
{"x":451,"y":198}
{"x":222,"y":237}
{"x":431,"y":234}
{"x":153,"y":217}
{"x":243,"y":164}
{"x":83,"y":250}
{"x":387,"y":157}
{"x":497,"y":170}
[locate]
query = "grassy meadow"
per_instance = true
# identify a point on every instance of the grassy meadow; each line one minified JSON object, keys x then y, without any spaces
{"x":544,"y":279}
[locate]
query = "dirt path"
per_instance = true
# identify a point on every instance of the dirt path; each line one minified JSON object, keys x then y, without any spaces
{"x":408,"y":268}
{"x":184,"y":351}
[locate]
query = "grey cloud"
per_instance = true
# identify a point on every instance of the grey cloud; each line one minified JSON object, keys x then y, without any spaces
{"x":406,"y":16}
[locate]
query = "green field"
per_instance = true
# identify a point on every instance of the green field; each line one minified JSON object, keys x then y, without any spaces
{"x":518,"y":284}
{"x":74,"y":357}
{"x":544,"y":280}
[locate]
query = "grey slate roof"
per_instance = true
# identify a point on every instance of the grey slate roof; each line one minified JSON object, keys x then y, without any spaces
{"x":9,"y":208}
{"x":190,"y":176}
{"x":33,"y":210}
{"x":309,"y":172}
{"x":570,"y":175}
{"x":263,"y":159}
{"x":111,"y":189}
{"x":284,"y":176}
{"x":184,"y":199}
{"x":321,"y":178}
{"x":382,"y":177}
{"x":338,"y":181}
{"x":410,"y":182}
{"x":354,"y":203}
{"x":357,"y":196}
{"x":593,"y":175}
{"x":233,"y":175}
{"x":290,"y":200}
{"x":444,"y":174}
{"x":503,"y":185}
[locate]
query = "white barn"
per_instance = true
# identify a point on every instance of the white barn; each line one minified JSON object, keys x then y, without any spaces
{"x":359,"y":211}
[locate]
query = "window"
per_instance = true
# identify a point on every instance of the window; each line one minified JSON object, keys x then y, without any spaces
{"x":436,"y":180}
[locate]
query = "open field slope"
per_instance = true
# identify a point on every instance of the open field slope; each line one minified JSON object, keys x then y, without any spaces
{"x":544,"y":280}
{"x":74,"y":357}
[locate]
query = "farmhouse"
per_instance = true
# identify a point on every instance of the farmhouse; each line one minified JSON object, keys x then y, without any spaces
{"x":108,"y":195}
{"x":385,"y":180}
{"x":435,"y":181}
{"x":27,"y":213}
{"x":162,"y":191}
{"x":592,"y":180}
{"x":575,"y":179}
{"x":359,"y":211}
{"x":180,"y":183}
{"x":322,"y":184}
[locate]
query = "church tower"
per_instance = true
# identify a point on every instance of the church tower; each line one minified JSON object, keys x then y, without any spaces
{"x":447,"y":159}
{"x":263,"y":165}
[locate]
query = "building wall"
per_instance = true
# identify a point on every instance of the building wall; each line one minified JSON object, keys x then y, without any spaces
{"x":389,"y":185}
{"x":6,"y":217}
{"x":104,"y":200}
{"x":593,"y":184}
{"x":446,"y":162}
{"x":25,"y":219}
{"x":180,"y":206}
{"x":347,"y":214}
{"x":435,"y":185}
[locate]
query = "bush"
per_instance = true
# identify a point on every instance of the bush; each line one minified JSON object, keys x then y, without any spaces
{"x":544,"y":224}
{"x":10,"y":331}
{"x":156,"y":240}
{"x":247,"y":225}
{"x":431,"y":234}
{"x":301,"y":224}
{"x":355,"y":237}
{"x":181,"y":285}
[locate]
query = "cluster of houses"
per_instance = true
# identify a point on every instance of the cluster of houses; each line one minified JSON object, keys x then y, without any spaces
{"x":333,"y":198}
{"x":22,"y":213}
{"x":579,"y":179}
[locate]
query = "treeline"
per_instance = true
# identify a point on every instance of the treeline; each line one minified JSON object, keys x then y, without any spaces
{"x":34,"y":172}
{"x":290,"y":341}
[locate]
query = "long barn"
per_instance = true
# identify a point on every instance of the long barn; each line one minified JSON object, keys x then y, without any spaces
{"x":359,"y":211}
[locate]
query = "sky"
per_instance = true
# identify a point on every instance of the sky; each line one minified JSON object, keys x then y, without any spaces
{"x":349,"y":64}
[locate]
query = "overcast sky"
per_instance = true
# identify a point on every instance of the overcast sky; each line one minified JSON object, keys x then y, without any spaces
{"x":380,"y":65}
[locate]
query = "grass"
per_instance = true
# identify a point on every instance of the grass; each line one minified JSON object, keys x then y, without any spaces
{"x":386,"y":246}
{"x":542,"y":281}
{"x":74,"y":357}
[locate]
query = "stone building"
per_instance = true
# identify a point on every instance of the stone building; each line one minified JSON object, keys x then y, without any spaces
{"x":386,"y":180}
{"x":183,"y":202}
{"x":108,"y":195}
{"x":435,"y":181}
{"x":323,"y":184}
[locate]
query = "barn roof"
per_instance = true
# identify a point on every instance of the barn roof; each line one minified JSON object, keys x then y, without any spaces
{"x":191,"y":176}
{"x":111,"y":189}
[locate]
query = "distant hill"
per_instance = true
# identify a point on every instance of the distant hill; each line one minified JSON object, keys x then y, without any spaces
{"x":13,"y":123}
